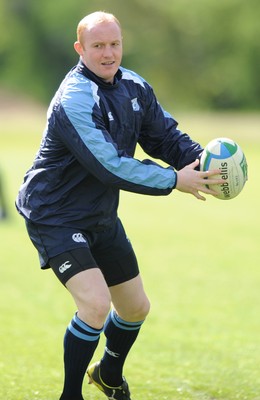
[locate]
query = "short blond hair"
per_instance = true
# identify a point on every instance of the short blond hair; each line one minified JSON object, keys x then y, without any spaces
{"x":93,"y":19}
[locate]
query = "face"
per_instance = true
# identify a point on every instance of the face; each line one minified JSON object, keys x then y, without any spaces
{"x":101,"y":49}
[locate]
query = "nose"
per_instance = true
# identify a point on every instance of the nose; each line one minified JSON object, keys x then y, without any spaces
{"x":107,"y":51}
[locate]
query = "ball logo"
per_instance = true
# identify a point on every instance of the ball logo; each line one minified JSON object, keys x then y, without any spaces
{"x":243,"y":166}
{"x":224,"y":175}
{"x":79,"y":238}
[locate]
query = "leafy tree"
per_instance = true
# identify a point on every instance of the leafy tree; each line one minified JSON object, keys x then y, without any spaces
{"x":202,"y":54}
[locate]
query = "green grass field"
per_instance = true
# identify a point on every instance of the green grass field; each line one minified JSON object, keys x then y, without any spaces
{"x":200,"y":264}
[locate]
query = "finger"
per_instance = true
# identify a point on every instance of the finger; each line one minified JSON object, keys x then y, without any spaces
{"x":207,"y":174}
{"x":207,"y":190}
{"x":215,"y":182}
{"x":211,"y":191}
{"x":194,"y":164}
{"x":199,"y":196}
{"x":213,"y":172}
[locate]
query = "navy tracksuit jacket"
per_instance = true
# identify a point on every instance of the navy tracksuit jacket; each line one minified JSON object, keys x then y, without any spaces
{"x":86,"y":153}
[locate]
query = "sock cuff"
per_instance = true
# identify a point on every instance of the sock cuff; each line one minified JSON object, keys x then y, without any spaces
{"x":82,"y":330}
{"x":122,"y":324}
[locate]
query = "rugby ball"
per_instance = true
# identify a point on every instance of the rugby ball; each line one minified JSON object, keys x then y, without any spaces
{"x":224,"y":154}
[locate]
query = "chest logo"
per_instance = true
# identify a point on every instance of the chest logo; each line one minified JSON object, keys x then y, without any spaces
{"x":135,"y":104}
{"x":110,"y":116}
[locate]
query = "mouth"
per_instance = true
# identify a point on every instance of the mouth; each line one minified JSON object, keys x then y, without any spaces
{"x":108,"y":63}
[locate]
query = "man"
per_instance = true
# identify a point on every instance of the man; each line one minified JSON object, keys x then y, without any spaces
{"x":70,"y":197}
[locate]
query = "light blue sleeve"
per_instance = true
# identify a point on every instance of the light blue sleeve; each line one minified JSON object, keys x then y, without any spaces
{"x":126,"y":173}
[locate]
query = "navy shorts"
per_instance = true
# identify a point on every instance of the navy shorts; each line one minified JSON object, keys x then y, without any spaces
{"x":68,"y":251}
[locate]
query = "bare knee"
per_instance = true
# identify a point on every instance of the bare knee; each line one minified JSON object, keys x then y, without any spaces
{"x":130,"y":300}
{"x":93,"y":310}
{"x":142,"y":310}
{"x":91,"y":295}
{"x":135,"y":312}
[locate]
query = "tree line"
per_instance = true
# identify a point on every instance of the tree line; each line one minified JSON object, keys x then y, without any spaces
{"x":196,"y":54}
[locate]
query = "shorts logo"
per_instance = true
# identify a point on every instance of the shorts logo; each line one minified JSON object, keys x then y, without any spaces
{"x":64,"y":266}
{"x":79,"y":238}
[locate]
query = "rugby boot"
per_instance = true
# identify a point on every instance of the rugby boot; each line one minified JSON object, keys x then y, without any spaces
{"x":113,"y":393}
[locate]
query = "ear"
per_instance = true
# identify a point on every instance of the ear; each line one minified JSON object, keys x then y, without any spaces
{"x":78,"y":48}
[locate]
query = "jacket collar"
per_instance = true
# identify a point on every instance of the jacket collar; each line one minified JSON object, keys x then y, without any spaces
{"x":82,"y":69}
